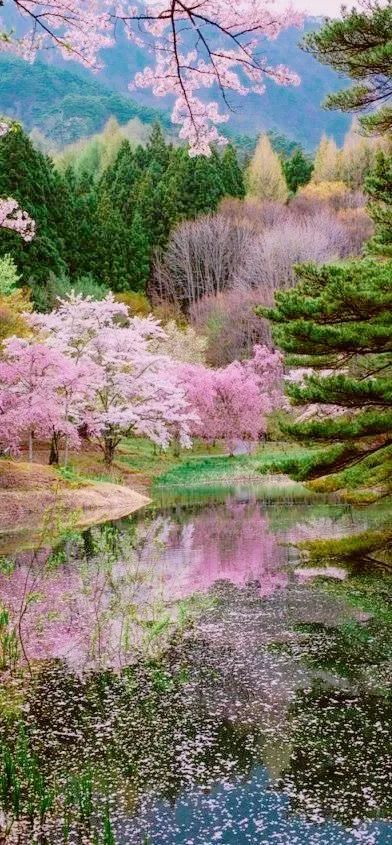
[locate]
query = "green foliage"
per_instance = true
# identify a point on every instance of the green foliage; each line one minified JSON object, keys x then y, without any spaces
{"x":29,"y":177}
{"x":45,"y":297}
{"x":9,"y":646}
{"x":9,"y":276}
{"x":367,"y":547}
{"x":359,"y":46}
{"x":298,"y":170}
{"x":379,"y":189}
{"x":145,"y":192}
{"x":98,"y":230}
{"x":224,"y":469}
{"x":64,"y":105}
{"x":338,"y":321}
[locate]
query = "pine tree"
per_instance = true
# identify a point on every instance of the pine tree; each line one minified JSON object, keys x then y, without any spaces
{"x":82,"y":227}
{"x":115,"y":246}
{"x":338,"y":321}
{"x":231,"y":174}
{"x":208,"y":184}
{"x":157,"y":151}
{"x":359,"y":46}
{"x":139,"y":265}
{"x":121,"y":181}
{"x":379,"y":188}
{"x":298,"y":170}
{"x":265,"y":175}
{"x":29,"y":177}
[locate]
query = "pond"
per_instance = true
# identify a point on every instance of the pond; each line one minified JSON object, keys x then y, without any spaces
{"x":181,"y":678}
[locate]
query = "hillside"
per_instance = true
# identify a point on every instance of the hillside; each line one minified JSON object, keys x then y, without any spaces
{"x":64,"y":105}
{"x":66,"y":102}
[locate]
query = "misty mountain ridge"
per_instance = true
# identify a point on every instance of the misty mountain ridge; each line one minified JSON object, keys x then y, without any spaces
{"x":66,"y":101}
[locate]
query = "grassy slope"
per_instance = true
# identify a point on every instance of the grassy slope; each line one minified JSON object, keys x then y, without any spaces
{"x":139,"y":464}
{"x":205,"y":469}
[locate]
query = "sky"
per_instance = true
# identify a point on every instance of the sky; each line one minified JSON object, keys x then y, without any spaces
{"x":320,"y":7}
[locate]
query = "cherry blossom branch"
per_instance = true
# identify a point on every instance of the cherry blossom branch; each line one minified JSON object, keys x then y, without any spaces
{"x":82,"y":29}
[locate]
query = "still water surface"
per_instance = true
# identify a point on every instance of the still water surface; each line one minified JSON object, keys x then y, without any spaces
{"x":187,"y":666}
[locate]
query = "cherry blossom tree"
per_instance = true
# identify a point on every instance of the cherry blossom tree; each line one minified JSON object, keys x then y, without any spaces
{"x":41,"y":395}
{"x":133,"y":389}
{"x":232,"y":403}
{"x":11,"y":215}
{"x":183,"y":344}
{"x":197,"y":46}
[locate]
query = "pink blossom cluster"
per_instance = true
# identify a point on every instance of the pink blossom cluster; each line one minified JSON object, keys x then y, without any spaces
{"x":131,"y":387}
{"x":85,"y":614}
{"x":95,"y":370}
{"x":233,"y":402}
{"x":197,"y":46}
{"x":42,"y":394}
{"x":12,"y":217}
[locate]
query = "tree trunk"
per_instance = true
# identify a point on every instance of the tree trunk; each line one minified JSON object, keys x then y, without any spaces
{"x":54,"y":457}
{"x":66,"y":452}
{"x":30,"y":446}
{"x":109,"y":450}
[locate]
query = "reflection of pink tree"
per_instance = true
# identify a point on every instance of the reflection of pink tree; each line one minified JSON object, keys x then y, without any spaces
{"x":96,"y":612}
{"x":232,"y":544}
{"x":91,"y":612}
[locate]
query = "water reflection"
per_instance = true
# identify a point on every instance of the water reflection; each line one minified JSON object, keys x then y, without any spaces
{"x":99,"y":598}
{"x":258,"y":719}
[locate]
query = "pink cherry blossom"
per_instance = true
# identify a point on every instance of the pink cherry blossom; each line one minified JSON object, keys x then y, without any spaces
{"x":12,"y":217}
{"x":133,"y":388}
{"x":233,"y":402}
{"x":42,"y":394}
{"x":196,"y":46}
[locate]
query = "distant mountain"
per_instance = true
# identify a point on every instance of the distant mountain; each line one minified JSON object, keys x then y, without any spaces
{"x":66,"y":102}
{"x":62,"y":104}
{"x":295,"y":112}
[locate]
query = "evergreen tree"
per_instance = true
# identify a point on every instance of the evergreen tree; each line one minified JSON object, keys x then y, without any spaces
{"x":148,"y":207}
{"x":139,"y":265}
{"x":379,"y":188}
{"x":29,"y":177}
{"x":298,"y":170}
{"x":266,"y":179}
{"x":359,"y":46}
{"x":231,"y":174}
{"x":157,"y":150}
{"x":338,"y":321}
{"x":82,"y":229}
{"x":121,"y":181}
{"x":208,"y":186}
{"x":115,"y":246}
